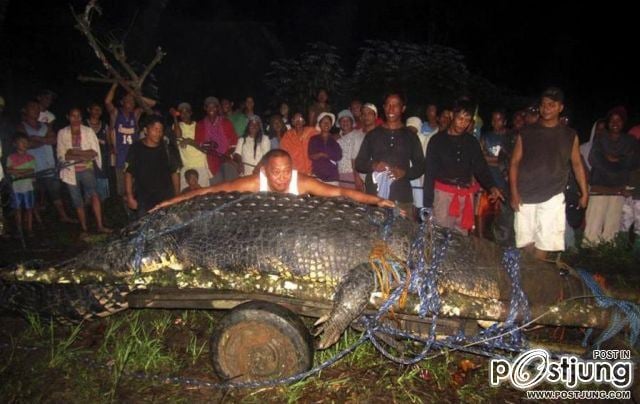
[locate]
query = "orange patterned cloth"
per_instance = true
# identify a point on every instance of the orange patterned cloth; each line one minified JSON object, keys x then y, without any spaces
{"x":298,"y":147}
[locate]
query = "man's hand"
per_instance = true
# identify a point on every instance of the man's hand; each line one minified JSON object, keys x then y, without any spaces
{"x":397,"y":173}
{"x":584,"y":200}
{"x":515,"y":201}
{"x":132,"y":203}
{"x":385,"y":203}
{"x":380,"y":166}
{"x":495,"y":194}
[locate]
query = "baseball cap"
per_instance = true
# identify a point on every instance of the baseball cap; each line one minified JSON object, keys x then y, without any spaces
{"x":371,"y":107}
{"x":345,"y":113}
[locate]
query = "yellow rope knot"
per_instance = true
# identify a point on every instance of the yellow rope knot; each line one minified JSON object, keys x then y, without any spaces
{"x":382,"y":260}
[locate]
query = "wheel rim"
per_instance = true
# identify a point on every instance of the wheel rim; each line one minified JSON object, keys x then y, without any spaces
{"x":252,"y":350}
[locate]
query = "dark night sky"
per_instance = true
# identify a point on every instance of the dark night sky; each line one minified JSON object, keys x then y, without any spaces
{"x":584,"y":49}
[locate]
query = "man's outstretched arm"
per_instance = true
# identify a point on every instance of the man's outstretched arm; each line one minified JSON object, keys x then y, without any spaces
{"x":309,"y":185}
{"x":242,"y":184}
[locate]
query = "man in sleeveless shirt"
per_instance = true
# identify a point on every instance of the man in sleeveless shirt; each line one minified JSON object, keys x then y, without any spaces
{"x":124,"y":129}
{"x":277,"y":175}
{"x":543,"y":154}
{"x":41,"y":142}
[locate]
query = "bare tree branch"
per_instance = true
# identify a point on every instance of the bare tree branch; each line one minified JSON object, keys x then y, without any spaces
{"x":87,"y":79}
{"x":133,"y":83}
{"x":117,"y":50}
{"x":156,"y":59}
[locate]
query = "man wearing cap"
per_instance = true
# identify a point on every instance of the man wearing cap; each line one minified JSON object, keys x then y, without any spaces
{"x":350,"y":141}
{"x":217,"y":131}
{"x":192,"y":157}
{"x":538,"y":175}
{"x":369,"y":117}
{"x":392,"y":150}
{"x":124,"y":124}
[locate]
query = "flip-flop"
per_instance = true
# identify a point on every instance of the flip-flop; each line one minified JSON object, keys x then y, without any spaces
{"x":105,"y":230}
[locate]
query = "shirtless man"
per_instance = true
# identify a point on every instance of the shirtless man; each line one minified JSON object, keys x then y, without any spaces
{"x":277,"y":175}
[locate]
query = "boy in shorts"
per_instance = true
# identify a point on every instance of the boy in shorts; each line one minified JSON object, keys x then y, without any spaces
{"x":21,"y":164}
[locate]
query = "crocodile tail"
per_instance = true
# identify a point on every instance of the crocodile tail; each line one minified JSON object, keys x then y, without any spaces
{"x":66,"y":303}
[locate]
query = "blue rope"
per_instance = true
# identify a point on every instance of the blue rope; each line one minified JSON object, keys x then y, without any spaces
{"x":626,"y":313}
{"x":518,"y":304}
{"x":506,"y":337}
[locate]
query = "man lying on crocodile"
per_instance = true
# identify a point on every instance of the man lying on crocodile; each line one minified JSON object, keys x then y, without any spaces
{"x":278,"y":175}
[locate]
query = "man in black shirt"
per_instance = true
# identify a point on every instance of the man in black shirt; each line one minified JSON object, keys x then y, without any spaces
{"x":454,"y":158}
{"x":394,"y":148}
{"x":151,"y":175}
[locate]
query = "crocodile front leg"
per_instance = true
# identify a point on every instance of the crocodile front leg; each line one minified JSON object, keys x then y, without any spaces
{"x":351,"y":297}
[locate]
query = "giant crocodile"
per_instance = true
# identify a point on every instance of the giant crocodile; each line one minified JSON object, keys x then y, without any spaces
{"x":294,"y":246}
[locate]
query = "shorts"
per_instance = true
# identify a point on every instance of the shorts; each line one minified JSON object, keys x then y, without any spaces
{"x":23,"y":200}
{"x":120,"y":181}
{"x":50,"y":185}
{"x":102,"y":187}
{"x":542,"y":224}
{"x":87,"y":181}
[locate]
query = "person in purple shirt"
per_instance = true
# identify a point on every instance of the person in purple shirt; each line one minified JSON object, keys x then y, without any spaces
{"x":324,"y":151}
{"x":124,"y":122}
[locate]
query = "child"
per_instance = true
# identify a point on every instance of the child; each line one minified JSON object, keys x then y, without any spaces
{"x":191,"y":176}
{"x":20,"y":164}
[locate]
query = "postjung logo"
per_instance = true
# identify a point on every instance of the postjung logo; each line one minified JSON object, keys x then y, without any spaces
{"x":535,"y":366}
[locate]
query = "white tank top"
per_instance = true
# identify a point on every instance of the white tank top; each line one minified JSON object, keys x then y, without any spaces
{"x":293,"y":185}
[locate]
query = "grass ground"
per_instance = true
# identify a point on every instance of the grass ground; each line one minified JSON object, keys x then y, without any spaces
{"x":103,"y":361}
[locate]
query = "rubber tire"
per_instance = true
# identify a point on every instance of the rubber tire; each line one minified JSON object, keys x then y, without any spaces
{"x":258,"y":341}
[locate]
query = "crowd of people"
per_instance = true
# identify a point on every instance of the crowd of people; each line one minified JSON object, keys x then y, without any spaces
{"x":525,"y":181}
